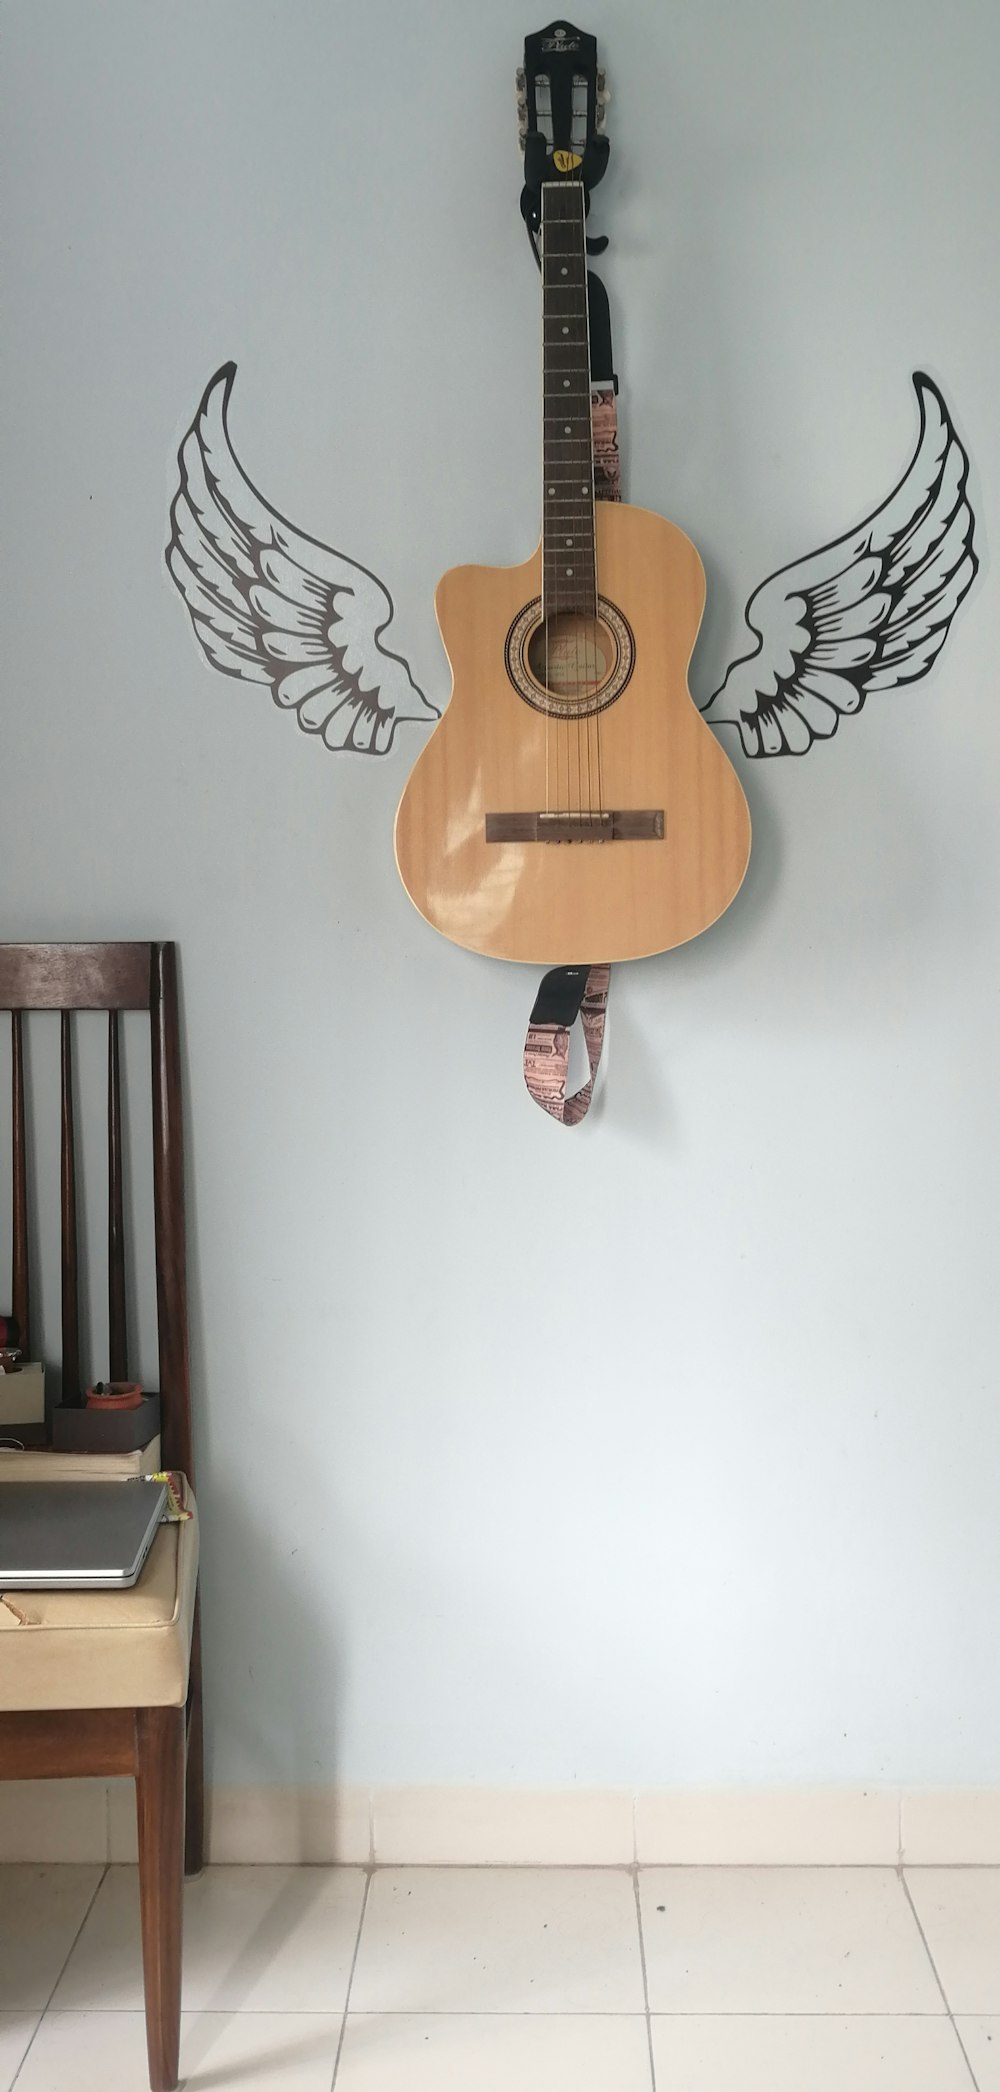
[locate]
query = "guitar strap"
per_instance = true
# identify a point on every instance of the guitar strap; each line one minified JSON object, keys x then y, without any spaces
{"x":607,"y":463}
{"x":568,"y":992}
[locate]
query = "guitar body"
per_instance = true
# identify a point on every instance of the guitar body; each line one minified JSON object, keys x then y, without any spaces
{"x":506,"y":752}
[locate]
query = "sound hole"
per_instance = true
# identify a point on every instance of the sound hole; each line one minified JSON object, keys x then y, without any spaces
{"x":570,"y":656}
{"x":574,"y":666}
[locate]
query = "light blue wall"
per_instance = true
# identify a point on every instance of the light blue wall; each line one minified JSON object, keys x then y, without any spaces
{"x":665,"y":1451}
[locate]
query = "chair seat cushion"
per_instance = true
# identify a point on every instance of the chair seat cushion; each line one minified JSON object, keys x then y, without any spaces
{"x":105,"y":1648}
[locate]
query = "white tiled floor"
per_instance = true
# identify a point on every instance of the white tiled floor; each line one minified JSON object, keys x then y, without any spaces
{"x":464,"y":1979}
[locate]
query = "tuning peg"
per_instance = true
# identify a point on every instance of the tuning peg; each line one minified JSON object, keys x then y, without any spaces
{"x":520,"y":85}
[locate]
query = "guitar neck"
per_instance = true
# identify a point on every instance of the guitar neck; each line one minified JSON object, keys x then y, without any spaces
{"x":569,"y":576}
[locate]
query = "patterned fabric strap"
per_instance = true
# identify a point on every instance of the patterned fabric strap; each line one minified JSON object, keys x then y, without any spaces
{"x":607,"y":463}
{"x":569,"y":991}
{"x":564,"y":994}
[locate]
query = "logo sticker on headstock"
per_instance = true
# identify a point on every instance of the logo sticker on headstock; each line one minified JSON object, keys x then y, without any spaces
{"x":567,"y":161}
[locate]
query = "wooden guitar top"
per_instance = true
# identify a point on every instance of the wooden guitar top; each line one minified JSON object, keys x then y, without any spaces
{"x":597,"y":819}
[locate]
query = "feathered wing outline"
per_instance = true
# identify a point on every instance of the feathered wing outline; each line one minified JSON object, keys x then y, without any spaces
{"x":863,"y":614}
{"x":276,"y":607}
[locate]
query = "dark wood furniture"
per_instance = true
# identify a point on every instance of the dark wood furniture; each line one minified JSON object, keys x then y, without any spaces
{"x":160,"y":1747}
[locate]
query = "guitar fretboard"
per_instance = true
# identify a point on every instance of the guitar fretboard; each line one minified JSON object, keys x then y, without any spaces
{"x":568,"y":564}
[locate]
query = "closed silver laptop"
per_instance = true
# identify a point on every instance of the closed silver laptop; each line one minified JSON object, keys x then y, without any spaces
{"x":76,"y":1536}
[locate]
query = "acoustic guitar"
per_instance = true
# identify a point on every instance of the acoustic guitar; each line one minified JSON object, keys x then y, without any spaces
{"x":572,"y":804}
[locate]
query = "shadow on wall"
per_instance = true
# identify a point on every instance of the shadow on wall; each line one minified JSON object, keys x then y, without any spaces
{"x":272,"y":1660}
{"x":273,"y":1669}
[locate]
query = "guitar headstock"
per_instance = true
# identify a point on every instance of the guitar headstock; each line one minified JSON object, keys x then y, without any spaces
{"x":562,"y":97}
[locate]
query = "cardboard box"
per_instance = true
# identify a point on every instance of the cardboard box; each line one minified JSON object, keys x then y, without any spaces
{"x":22,"y":1396}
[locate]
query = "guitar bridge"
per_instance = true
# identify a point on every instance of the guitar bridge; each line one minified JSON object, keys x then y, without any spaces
{"x":614,"y":825}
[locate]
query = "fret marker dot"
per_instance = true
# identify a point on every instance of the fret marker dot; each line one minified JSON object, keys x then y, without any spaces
{"x":565,"y":384}
{"x":569,"y":570}
{"x":564,"y":272}
{"x":567,"y":431}
{"x":569,"y":541}
{"x":552,"y":490}
{"x":565,"y":330}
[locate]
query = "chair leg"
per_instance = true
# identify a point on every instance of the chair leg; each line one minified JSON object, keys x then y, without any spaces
{"x":194,"y":1817}
{"x":159,"y":1793}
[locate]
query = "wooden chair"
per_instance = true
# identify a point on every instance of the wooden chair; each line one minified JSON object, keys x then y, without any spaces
{"x":104,"y":1683}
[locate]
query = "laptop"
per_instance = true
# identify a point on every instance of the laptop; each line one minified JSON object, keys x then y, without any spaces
{"x":77,"y":1536}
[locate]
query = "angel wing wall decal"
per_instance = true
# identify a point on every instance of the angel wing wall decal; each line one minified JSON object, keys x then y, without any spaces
{"x":865,"y":613}
{"x":276,"y":607}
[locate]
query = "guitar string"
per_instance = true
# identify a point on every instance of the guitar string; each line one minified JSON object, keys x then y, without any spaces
{"x":551,"y":731}
{"x":553,"y":621}
{"x":574,"y":217}
{"x":545,"y":496}
{"x":593,"y":534}
{"x":583,"y":611}
{"x":575,"y":610}
{"x":552,"y":725}
{"x":592,"y":628}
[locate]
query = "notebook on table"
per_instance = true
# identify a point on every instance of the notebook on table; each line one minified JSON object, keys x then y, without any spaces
{"x":77,"y":1536}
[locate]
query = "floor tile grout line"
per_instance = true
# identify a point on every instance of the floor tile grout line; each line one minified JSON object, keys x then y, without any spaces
{"x":890,"y":1864}
{"x":369,"y":1875}
{"x":645,"y":1979}
{"x":459,"y":2012}
{"x":947,"y":2006}
{"x":63,"y":1966}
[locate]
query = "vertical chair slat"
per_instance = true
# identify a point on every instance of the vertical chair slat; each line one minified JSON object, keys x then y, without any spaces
{"x":168,"y":1207}
{"x":20,"y":1296}
{"x":117,"y":1317}
{"x":71,"y":1387}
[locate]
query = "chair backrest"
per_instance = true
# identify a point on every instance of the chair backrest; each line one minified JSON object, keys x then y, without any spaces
{"x":115,"y":978}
